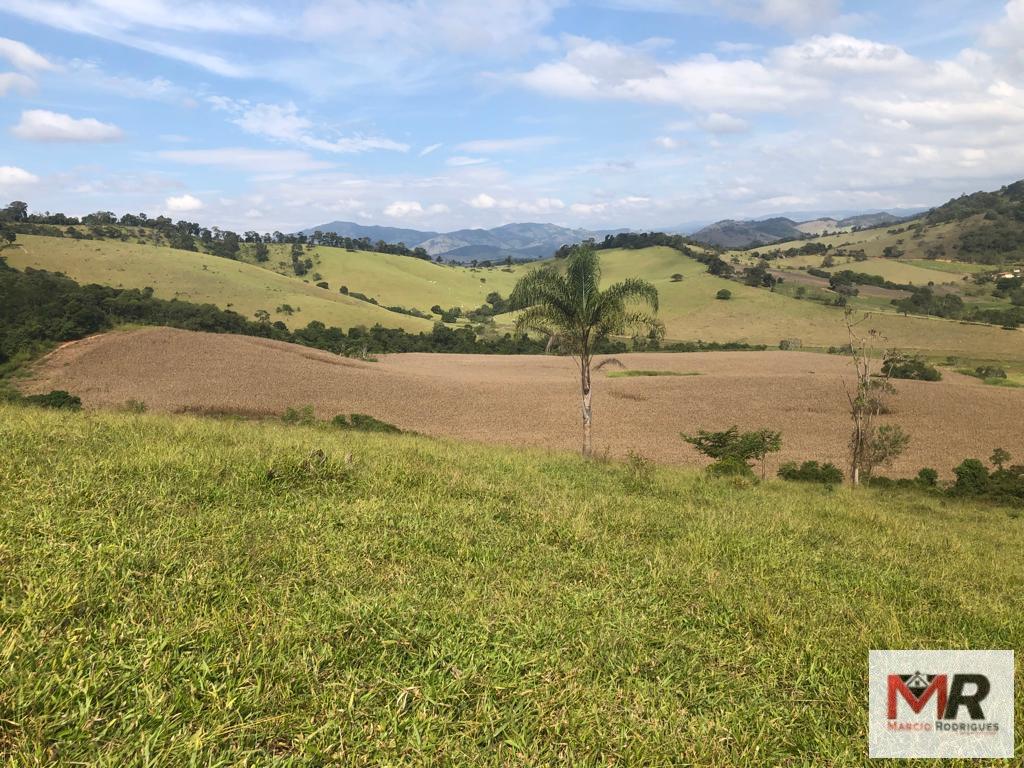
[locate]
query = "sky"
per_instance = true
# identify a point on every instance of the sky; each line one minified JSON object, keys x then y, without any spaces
{"x":442,"y":114}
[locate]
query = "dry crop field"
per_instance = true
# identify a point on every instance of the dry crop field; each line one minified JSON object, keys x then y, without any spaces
{"x":534,"y":400}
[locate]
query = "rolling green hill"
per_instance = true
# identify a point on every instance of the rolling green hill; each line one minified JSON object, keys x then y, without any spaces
{"x":215,"y":593}
{"x":201,"y":278}
{"x":401,"y":280}
{"x":755,"y":315}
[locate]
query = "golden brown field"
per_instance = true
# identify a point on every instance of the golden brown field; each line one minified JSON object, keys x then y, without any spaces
{"x":533,"y":400}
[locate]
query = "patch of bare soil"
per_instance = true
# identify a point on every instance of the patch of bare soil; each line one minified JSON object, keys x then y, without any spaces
{"x":534,"y":400}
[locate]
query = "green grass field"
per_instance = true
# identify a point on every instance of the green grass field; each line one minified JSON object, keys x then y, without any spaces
{"x":188,"y":592}
{"x":200,"y":278}
{"x":755,"y":315}
{"x":404,"y":281}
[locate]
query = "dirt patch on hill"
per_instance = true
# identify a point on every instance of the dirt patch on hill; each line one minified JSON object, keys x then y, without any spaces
{"x":534,"y":400}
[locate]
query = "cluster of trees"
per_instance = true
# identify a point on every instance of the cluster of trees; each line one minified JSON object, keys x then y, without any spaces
{"x":807,"y":249}
{"x":334,"y":240}
{"x":183,"y":235}
{"x":633,"y":241}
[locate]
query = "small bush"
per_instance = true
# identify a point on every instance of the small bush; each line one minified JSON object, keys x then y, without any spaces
{"x":928,"y":477}
{"x":912,"y":368}
{"x":731,"y":466}
{"x":677,"y":278}
{"x":724,"y":294}
{"x":134,"y":406}
{"x":989,"y":372}
{"x":971,"y":478}
{"x":787,"y":344}
{"x":364,"y":423}
{"x":57,"y":399}
{"x":303,"y":415}
{"x":811,"y":472}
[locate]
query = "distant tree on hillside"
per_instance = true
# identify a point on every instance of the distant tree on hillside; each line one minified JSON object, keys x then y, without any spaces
{"x":573,"y":311}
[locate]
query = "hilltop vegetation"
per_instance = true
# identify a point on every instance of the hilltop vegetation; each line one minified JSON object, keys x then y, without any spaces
{"x":246,"y":593}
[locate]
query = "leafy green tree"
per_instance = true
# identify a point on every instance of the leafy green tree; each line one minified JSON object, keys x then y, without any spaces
{"x":569,"y":307}
{"x":732,"y":446}
{"x":999,"y":457}
{"x":724,"y":294}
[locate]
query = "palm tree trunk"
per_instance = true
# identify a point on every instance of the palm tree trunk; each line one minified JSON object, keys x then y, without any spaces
{"x":585,"y":388}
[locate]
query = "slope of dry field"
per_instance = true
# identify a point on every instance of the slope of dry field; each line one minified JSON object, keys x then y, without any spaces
{"x":533,"y":400}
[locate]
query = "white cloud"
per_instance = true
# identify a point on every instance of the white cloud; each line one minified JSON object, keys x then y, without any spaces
{"x":15,"y":81}
{"x":666,"y":142}
{"x":243,"y":159}
{"x":843,"y":53}
{"x":284,"y":123}
{"x":483,"y":201}
{"x":525,"y":144}
{"x":459,"y":161}
{"x":24,"y":58}
{"x":183,"y":203}
{"x":11,"y":176}
{"x":134,"y":24}
{"x":598,"y":70}
{"x":722,"y":122}
{"x":539,"y":205}
{"x":430,"y":149}
{"x":1008,"y":31}
{"x":413,"y":209}
{"x":43,"y":125}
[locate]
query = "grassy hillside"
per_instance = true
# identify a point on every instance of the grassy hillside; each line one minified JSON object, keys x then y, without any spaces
{"x":691,"y":311}
{"x":179,"y":591}
{"x":401,"y":280}
{"x":200,"y":278}
{"x":689,"y":308}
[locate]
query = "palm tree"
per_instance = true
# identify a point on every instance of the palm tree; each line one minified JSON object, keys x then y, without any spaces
{"x":574,"y":312}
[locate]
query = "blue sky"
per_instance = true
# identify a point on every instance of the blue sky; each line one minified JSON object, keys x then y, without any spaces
{"x":442,"y":114}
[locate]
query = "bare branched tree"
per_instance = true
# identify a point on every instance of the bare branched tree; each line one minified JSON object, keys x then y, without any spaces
{"x":870,"y":445}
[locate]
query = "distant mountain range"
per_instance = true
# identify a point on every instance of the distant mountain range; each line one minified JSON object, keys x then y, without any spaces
{"x":731,"y":233}
{"x":520,"y":241}
{"x":530,"y":241}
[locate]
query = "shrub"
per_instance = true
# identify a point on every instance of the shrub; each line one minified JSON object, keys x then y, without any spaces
{"x":790,"y":344}
{"x":811,"y":472}
{"x":913,"y":368}
{"x":363,"y":423}
{"x":928,"y":477}
{"x":724,"y":294}
{"x":134,"y":406}
{"x":731,"y":466}
{"x":989,"y":372}
{"x":303,"y":415}
{"x":677,"y":278}
{"x":57,"y":399}
{"x":971,"y":478}
{"x":323,"y":284}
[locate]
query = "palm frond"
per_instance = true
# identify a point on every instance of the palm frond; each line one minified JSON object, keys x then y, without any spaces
{"x":634,"y":289}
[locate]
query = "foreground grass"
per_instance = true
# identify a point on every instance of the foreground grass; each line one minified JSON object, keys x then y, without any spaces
{"x":176,"y":591}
